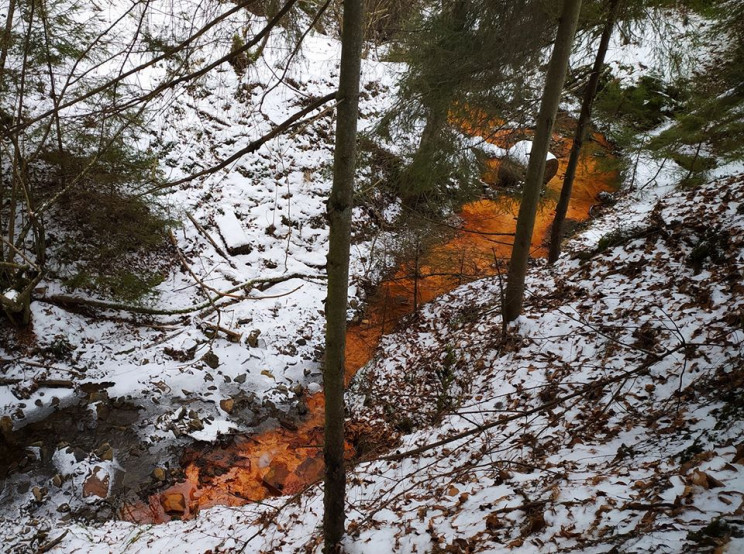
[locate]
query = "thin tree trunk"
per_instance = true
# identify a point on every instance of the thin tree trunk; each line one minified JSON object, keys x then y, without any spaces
{"x":556,"y":231}
{"x":7,"y":35}
{"x":339,"y":212}
{"x":58,"y":127}
{"x":514,"y":294}
{"x":416,"y":275}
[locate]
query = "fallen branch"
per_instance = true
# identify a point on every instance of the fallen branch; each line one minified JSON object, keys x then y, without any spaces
{"x":232,"y":336}
{"x":207,"y":236}
{"x":46,"y":547}
{"x":67,"y":301}
{"x":75,"y":372}
{"x":187,"y":268}
{"x":640,"y":507}
{"x":46,"y":383}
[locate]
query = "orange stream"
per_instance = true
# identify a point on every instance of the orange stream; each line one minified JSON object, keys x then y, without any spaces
{"x":284,"y":461}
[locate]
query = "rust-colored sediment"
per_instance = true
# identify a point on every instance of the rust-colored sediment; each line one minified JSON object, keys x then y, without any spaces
{"x":283,"y":461}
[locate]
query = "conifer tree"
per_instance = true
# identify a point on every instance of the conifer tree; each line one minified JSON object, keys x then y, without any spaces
{"x":466,"y":59}
{"x":708,"y":129}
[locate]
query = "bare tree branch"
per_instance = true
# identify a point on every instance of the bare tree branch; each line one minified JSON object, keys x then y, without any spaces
{"x":252,"y":147}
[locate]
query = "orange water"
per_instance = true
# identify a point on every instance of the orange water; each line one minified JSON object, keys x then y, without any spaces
{"x":284,"y":461}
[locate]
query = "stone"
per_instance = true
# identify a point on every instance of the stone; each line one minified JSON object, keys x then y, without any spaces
{"x":227,"y":405}
{"x":606,"y":198}
{"x":513,"y":167}
{"x":105,"y":452}
{"x":179,"y":355}
{"x":302,"y":408}
{"x":235,"y":238}
{"x":252,"y":339}
{"x":310,"y":470}
{"x":98,"y":396}
{"x":195,"y":424}
{"x":173,"y":503}
{"x":79,"y":454}
{"x":276,"y":478}
{"x":211,"y":359}
{"x":241,"y":378}
{"x":95,"y":485}
{"x":39,"y":493}
{"x":159,"y":474}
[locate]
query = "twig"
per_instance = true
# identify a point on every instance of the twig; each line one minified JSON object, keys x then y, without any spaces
{"x":232,"y":336}
{"x":185,"y":265}
{"x":46,"y":547}
{"x":249,"y":297}
{"x":207,"y":236}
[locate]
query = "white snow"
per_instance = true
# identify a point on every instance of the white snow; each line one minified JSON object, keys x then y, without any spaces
{"x":236,"y":240}
{"x":589,"y":467}
{"x":520,"y":153}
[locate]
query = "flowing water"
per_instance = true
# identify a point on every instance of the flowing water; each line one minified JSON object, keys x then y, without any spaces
{"x":285,"y":460}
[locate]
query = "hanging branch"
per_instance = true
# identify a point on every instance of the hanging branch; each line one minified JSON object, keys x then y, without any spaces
{"x":14,"y":129}
{"x":253,"y":146}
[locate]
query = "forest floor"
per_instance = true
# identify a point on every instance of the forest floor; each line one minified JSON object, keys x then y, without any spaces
{"x":608,"y":416}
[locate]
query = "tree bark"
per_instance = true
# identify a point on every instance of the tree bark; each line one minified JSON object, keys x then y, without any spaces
{"x":556,"y":230}
{"x":339,"y":213}
{"x":7,"y":34}
{"x":514,"y":294}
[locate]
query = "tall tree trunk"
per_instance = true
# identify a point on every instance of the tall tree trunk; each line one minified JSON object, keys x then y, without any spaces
{"x":339,"y":213}
{"x":514,"y":294}
{"x":556,"y":231}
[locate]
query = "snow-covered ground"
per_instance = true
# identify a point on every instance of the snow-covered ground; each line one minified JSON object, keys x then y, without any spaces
{"x":272,"y":203}
{"x":253,"y":239}
{"x":608,"y":417}
{"x":637,"y":353}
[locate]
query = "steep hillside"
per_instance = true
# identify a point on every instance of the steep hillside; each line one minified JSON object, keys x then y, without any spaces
{"x":609,"y":417}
